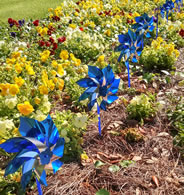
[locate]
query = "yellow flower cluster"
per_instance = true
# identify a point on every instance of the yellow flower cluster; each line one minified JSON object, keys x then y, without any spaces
{"x":9,"y":89}
{"x":42,"y":31}
{"x":160,"y":43}
{"x":45,"y":55}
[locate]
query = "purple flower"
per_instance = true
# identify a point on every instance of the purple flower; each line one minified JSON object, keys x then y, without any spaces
{"x":13,"y":34}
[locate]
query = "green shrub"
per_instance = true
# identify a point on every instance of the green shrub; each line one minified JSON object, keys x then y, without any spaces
{"x":142,"y":107}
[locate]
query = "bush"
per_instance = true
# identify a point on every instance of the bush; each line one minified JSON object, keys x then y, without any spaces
{"x":159,"y":56}
{"x":141,"y":107}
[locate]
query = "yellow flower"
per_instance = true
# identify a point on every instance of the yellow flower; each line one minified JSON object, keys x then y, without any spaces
{"x":18,"y":68}
{"x":4,"y":88}
{"x":60,"y":84}
{"x":65,"y":64}
{"x":170,"y":50}
{"x":51,"y":85}
{"x":30,"y":70}
{"x":101,"y":59}
{"x":10,"y":61}
{"x":45,"y":55}
{"x":15,"y":55}
{"x":84,"y":156}
{"x":2,"y":141}
{"x":60,"y":70}
{"x":64,"y":55}
{"x":15,"y":131}
{"x":159,"y":39}
{"x":14,"y":89}
{"x":72,"y":26}
{"x":25,"y":108}
{"x":177,"y":53}
{"x":19,"y":81}
{"x":37,"y":100}
{"x":43,"y":90}
{"x":108,"y":32}
{"x":44,"y":77}
{"x":77,"y":62}
{"x":55,"y":80}
{"x":53,"y":72}
{"x":54,"y":63}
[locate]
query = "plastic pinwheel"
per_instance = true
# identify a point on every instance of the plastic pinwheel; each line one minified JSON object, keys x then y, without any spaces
{"x":144,"y":24}
{"x":100,"y":83}
{"x":168,"y":6}
{"x":178,"y":3}
{"x":130,"y":44}
{"x":39,"y":147}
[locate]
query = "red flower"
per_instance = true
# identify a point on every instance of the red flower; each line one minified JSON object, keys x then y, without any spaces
{"x":81,"y":29}
{"x":10,"y":20}
{"x":55,"y":46}
{"x":77,"y":10}
{"x":52,"y":52}
{"x":36,"y":22}
{"x":56,"y":18}
{"x":49,"y":32}
{"x":47,"y":43}
{"x":41,"y":43}
{"x":51,"y":39}
{"x":61,"y":39}
{"x":181,"y":33}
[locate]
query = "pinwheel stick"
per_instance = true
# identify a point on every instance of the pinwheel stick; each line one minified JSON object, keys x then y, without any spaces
{"x":99,"y":120}
{"x":39,"y":187}
{"x":157,"y":27}
{"x":128,"y":70}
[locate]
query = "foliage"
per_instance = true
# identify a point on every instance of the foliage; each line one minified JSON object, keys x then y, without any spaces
{"x":132,"y":135}
{"x":159,"y":56}
{"x":176,"y":116}
{"x":71,"y":126}
{"x":141,"y":107}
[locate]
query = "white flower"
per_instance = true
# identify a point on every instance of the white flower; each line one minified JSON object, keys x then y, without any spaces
{"x":80,"y":120}
{"x":63,"y":133}
{"x":11,"y":102}
{"x":40,"y":116}
{"x":9,"y":124}
{"x":2,"y":43}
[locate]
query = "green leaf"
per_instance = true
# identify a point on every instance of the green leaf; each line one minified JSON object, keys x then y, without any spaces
{"x":114,"y":168}
{"x":102,"y":192}
{"x":99,"y":163}
{"x":126,"y":163}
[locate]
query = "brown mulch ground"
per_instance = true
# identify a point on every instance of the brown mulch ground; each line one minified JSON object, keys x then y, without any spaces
{"x":158,"y":167}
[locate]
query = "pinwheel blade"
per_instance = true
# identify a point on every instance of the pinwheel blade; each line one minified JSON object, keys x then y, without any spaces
{"x":86,"y":82}
{"x":56,"y":165}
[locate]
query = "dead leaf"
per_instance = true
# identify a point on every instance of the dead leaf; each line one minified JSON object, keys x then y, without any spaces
{"x":155,"y":180}
{"x":136,"y":158}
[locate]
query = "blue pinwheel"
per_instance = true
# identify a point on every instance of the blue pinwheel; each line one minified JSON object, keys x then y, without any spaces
{"x":144,"y":24}
{"x":168,"y":6}
{"x":130,"y":44}
{"x":178,"y":3}
{"x":39,"y":148}
{"x":100,"y":83}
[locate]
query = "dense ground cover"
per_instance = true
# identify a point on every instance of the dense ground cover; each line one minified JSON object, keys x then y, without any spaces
{"x":40,"y":64}
{"x":25,"y":9}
